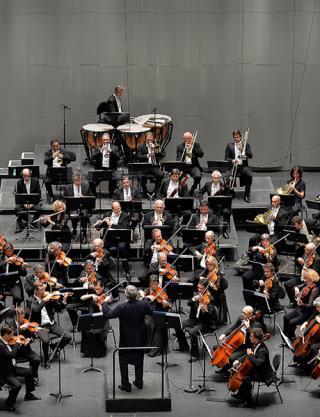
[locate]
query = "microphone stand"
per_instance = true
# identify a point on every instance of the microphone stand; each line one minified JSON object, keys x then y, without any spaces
{"x":64,"y":108}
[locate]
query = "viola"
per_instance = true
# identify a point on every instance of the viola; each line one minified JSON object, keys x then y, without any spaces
{"x":237,"y":378}
{"x":209,"y":249}
{"x":16,"y":260}
{"x":305,"y":291}
{"x":63,"y":257}
{"x":92,"y":278}
{"x":302,"y":344}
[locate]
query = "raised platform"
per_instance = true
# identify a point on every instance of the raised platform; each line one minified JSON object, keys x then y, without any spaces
{"x":148,"y":399}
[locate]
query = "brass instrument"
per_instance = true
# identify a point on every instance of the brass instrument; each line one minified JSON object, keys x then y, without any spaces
{"x":59,"y":156}
{"x":264,"y":218}
{"x":187,"y":152}
{"x":285,"y":189}
{"x":242,"y":144}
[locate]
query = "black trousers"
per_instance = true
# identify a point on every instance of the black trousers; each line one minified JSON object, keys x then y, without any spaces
{"x":22,"y":213}
{"x":289,"y":285}
{"x":12,"y":380}
{"x":195,"y":174}
{"x":245,"y":175}
{"x":155,"y":174}
{"x":292,"y":320}
{"x":44,"y":336}
{"x":138,"y":368}
{"x":32,"y":357}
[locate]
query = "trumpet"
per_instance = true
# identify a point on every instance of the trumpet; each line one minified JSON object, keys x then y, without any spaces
{"x":59,"y":156}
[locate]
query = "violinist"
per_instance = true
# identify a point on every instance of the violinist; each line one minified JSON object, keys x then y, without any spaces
{"x":163,"y":270}
{"x":9,"y":371}
{"x":270,"y":286}
{"x":157,"y":245}
{"x":12,"y":263}
{"x":203,"y":317}
{"x":41,"y":308}
{"x":205,"y":249}
{"x":57,"y":262}
{"x":158,"y":217}
{"x":58,"y":220}
{"x":39,"y":274}
{"x":22,"y":327}
{"x":260,"y":254}
{"x":258,"y":355}
{"x":203,"y":218}
{"x":305,"y":294}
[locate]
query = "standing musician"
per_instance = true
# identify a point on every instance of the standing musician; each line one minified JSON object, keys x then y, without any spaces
{"x":297,"y":187}
{"x":79,"y":188}
{"x":41,"y":309}
{"x":106,"y":157}
{"x":158,"y":217}
{"x":269,"y":285}
{"x":9,"y":371}
{"x":307,"y":260}
{"x":258,"y":356}
{"x":27,"y":185}
{"x":57,"y":263}
{"x":235,"y":154}
{"x":156,"y":246}
{"x":132,"y":334}
{"x":203,"y":218}
{"x":39,"y":274}
{"x":261,"y":254}
{"x":55,"y":157}
{"x":148,"y":152}
{"x":305,"y":294}
{"x":58,"y":221}
{"x":189,"y":151}
{"x":205,"y":249}
{"x":113,"y":103}
{"x":12,"y":263}
{"x":202,"y":317}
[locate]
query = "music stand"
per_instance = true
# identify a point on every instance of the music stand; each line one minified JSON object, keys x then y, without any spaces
{"x":8,"y":278}
{"x":219,"y":203}
{"x":255,"y":227}
{"x":166,"y":231}
{"x":297,"y":239}
{"x":180,"y":291}
{"x":184,"y":263}
{"x":139,"y":169}
{"x":89,"y":322}
{"x":205,"y":348}
{"x":193,"y":237}
{"x":60,"y":176}
{"x":59,"y":396}
{"x":117,"y":236}
{"x":286,"y":199}
{"x":28,"y":199}
{"x":285,"y":343}
{"x":3,"y":313}
{"x":63,"y":236}
{"x":163,"y":320}
{"x":313,"y":205}
{"x":131,"y":206}
{"x":257,"y":300}
{"x":222,"y":166}
{"x":170,"y":165}
{"x":97,"y":176}
{"x":177,"y":205}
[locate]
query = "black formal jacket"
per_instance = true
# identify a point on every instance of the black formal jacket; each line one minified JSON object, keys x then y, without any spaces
{"x":206,"y":318}
{"x":261,"y":364}
{"x":149,"y":219}
{"x":123,"y":223}
{"x":254,"y":324}
{"x":162,"y":193}
{"x":85,"y":189}
{"x":119,"y":194}
{"x":6,"y":365}
{"x":114,"y":158}
{"x":142,"y":154}
{"x":195,"y":219}
{"x":111,"y":105}
{"x":207,"y":189}
{"x":282,"y":217}
{"x":197,"y":152}
{"x":34,"y":186}
{"x":36,"y":306}
{"x":48,"y":158}
{"x":230,"y":153}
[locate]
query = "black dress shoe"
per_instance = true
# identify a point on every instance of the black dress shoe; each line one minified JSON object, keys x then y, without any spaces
{"x":193,"y":358}
{"x":31,"y":397}
{"x":226,"y":234}
{"x":138,"y":385}
{"x":125,"y":388}
{"x":84,"y":240}
{"x":9,"y":406}
{"x":247,"y":199}
{"x":47,"y":365}
{"x":237,"y":396}
{"x":246,"y":404}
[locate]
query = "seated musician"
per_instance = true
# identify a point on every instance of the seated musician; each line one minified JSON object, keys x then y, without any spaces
{"x":158,"y":300}
{"x":162,"y":269}
{"x":312,"y":346}
{"x":106,"y":157}
{"x":147,"y":152}
{"x":202,"y":317}
{"x":41,"y":309}
{"x":189,"y":151}
{"x":238,"y":156}
{"x":79,"y":188}
{"x":205,"y":249}
{"x":155,"y":246}
{"x":260,"y":254}
{"x":270,"y":286}
{"x":297,"y":187}
{"x":305,"y":294}
{"x":203,"y":218}
{"x":58,"y":220}
{"x":22,"y":326}
{"x":58,"y":263}
{"x":10,"y":262}
{"x":258,"y":355}
{"x":103,"y":264}
{"x":158,"y":217}
{"x":27,"y":185}
{"x":305,"y":260}
{"x":55,"y":157}
{"x":94,"y":342}
{"x":116,"y":219}
{"x":247,"y":321}
{"x":9,"y":371}
{"x":128,"y":193}
{"x":39,"y":274}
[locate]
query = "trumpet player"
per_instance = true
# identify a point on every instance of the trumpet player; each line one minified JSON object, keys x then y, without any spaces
{"x":237,"y":155}
{"x":189,"y":151}
{"x":149,"y":153}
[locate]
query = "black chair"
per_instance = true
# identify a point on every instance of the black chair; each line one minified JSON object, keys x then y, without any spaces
{"x":275,"y":364}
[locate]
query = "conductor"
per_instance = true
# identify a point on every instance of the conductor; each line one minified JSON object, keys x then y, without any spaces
{"x":132,"y":334}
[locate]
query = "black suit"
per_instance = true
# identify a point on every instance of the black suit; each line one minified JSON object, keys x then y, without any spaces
{"x":195,"y":219}
{"x":194,"y":169}
{"x":112,"y":105}
{"x":148,"y":219}
{"x":243,"y":170}
{"x":15,"y":288}
{"x":155,"y":171}
{"x":136,"y":196}
{"x":114,"y":157}
{"x":48,"y":160}
{"x":20,"y":209}
{"x":163,"y":191}
{"x":225,"y":213}
{"x":132,"y":334}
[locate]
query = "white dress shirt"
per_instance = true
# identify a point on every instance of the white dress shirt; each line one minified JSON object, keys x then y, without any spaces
{"x":172,"y":186}
{"x":77,"y":191}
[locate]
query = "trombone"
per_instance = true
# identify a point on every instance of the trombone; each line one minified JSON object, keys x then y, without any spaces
{"x":242,"y":156}
{"x":187,"y":154}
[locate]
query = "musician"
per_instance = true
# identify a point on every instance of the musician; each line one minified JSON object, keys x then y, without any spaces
{"x":308,"y":259}
{"x":9,"y":371}
{"x":203,"y":218}
{"x":148,"y":152}
{"x":298,"y":188}
{"x":205,"y":249}
{"x":270,"y":286}
{"x":58,"y":221}
{"x":55,"y":157}
{"x":232,"y":154}
{"x":202,"y":317}
{"x":41,"y":309}
{"x":116,"y":219}
{"x":27,"y":185}
{"x":11,"y":263}
{"x":104,"y":263}
{"x":163,"y":270}
{"x":57,"y":262}
{"x":113,"y":103}
{"x":305,"y":294}
{"x":79,"y":188}
{"x":39,"y":274}
{"x":172,"y":187}
{"x":260,"y":254}
{"x":189,"y":151}
{"x":132,"y":334}
{"x":157,"y":245}
{"x":158,"y":217}
{"x":106,"y":157}
{"x":258,"y":355}
{"x":20,"y":326}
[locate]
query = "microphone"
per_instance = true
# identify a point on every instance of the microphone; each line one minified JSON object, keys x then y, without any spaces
{"x":154,"y":110}
{"x":63,"y":106}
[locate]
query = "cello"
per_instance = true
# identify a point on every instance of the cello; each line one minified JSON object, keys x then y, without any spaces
{"x":302,"y":344}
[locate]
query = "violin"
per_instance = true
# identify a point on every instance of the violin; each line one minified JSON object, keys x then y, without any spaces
{"x":160,"y":296}
{"x":3,"y":242}
{"x":17,"y":261}
{"x":305,"y":292}
{"x":302,"y":344}
{"x":32,"y":326}
{"x":164,"y":247}
{"x":209,"y":249}
{"x":212,"y":277}
{"x":63,"y":257}
{"x":48,"y":279}
{"x":18,"y":339}
{"x":169,"y":271}
{"x":92,"y":278}
{"x":56,"y":295}
{"x":268,"y":283}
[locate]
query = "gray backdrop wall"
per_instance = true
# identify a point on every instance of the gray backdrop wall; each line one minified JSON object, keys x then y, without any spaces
{"x":212,"y":65}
